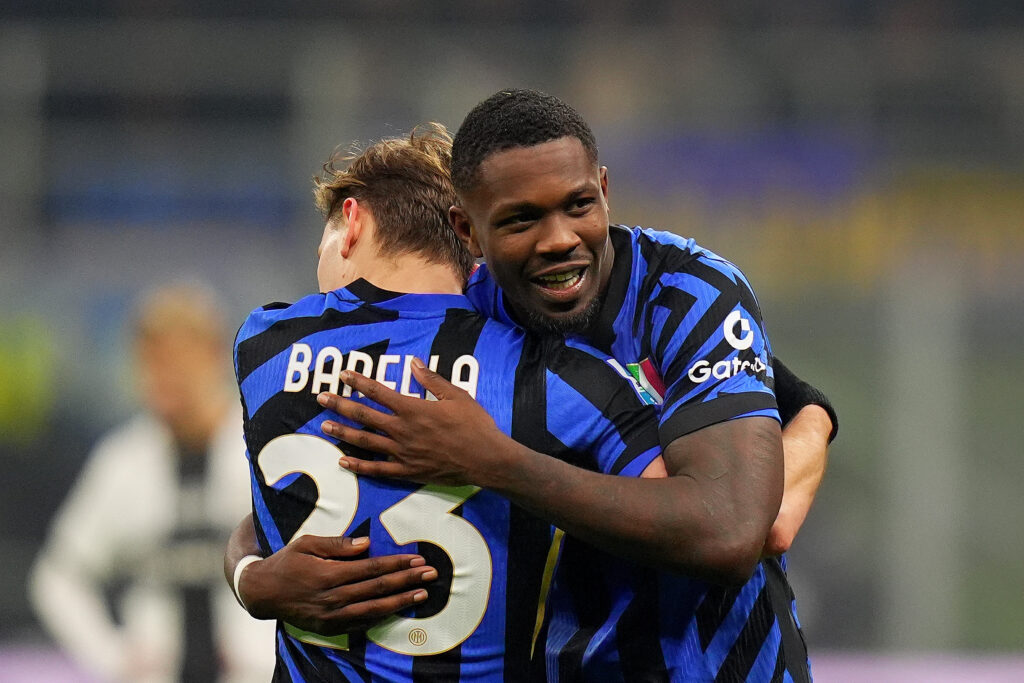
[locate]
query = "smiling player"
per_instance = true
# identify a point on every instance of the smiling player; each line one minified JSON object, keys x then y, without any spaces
{"x":533,"y":202}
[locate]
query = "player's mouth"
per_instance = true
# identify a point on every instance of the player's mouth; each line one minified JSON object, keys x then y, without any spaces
{"x":561,"y":285}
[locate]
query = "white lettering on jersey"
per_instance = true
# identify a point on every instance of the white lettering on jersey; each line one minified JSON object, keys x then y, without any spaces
{"x":321,"y":377}
{"x":723,"y":369}
{"x":466,"y":380}
{"x":382,"y":367}
{"x":703,"y":370}
{"x":298,"y":362}
{"x":365,"y":364}
{"x":465,"y":371}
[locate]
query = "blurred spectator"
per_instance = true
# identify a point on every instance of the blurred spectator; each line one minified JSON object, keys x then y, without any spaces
{"x":148,"y":518}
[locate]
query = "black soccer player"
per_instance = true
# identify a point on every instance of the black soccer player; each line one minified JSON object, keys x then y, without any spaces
{"x":533,"y":202}
{"x":391,"y":274}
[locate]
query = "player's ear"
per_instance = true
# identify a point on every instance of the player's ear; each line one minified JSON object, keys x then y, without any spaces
{"x":354,"y":215}
{"x":464,"y":229}
{"x":604,"y":184}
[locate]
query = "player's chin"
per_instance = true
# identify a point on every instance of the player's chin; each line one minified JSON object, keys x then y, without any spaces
{"x":562,"y":317}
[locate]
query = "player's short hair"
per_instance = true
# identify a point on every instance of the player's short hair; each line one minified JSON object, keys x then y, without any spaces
{"x":406,"y":184}
{"x":513,"y":118}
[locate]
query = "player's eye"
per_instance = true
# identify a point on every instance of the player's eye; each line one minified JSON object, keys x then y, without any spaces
{"x":581,"y":204}
{"x":516,"y":221}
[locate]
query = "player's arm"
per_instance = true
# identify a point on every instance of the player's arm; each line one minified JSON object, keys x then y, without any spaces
{"x":810,"y":425}
{"x":708,"y":519}
{"x":314,"y":584}
{"x":66,"y":582}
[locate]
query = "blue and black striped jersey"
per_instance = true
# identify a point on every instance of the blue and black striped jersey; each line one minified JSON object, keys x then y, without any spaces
{"x":686,"y":325}
{"x":494,"y":559}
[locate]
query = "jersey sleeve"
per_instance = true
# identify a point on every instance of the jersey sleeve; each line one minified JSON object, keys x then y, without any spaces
{"x":594,"y":405}
{"x":713,"y":353}
{"x":794,"y":394}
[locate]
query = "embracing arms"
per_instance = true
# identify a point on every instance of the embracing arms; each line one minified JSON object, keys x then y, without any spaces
{"x":323,"y":584}
{"x":708,"y":518}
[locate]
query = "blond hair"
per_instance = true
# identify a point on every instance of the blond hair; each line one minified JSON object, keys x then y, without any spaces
{"x":406,"y":183}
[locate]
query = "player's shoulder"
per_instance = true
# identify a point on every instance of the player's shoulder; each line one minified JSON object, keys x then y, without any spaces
{"x":266,"y":316}
{"x":591,"y":370}
{"x":131,"y":442}
{"x":680,"y":261}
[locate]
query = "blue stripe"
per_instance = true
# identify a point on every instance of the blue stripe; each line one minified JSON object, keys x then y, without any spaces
{"x":267,"y":522}
{"x":764,"y":665}
{"x":283,"y":655}
{"x":733,"y":624}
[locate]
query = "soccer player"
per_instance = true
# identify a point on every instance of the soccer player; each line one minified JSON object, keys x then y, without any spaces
{"x":392,"y":273}
{"x":533,"y":202}
{"x":146,"y":520}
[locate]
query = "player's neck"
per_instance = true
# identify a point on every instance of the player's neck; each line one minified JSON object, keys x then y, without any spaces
{"x":411,"y":274}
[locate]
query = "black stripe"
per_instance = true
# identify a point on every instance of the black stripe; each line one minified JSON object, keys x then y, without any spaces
{"x":356,"y":653}
{"x":315,"y":666}
{"x":690,"y":418}
{"x":602,"y":332}
{"x":456,"y":336}
{"x":748,"y":644}
{"x":793,"y":646}
{"x":661,"y":259}
{"x":779,"y":674}
{"x":258,"y":349}
{"x":678,"y":302}
{"x":637,"y":633}
{"x":281,"y":674}
{"x":793,"y":394}
{"x":368,"y":293}
{"x":588,"y":593}
{"x":529,"y":536}
{"x":613,"y":396}
{"x":713,"y":609}
{"x":719,"y":353}
{"x":261,"y":536}
{"x":699,"y":334}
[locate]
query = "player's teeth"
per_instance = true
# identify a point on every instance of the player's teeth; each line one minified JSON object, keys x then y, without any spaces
{"x":561,"y":280}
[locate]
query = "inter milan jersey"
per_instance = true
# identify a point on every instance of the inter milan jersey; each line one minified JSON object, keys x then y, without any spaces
{"x":687,"y":327}
{"x":481,"y":619}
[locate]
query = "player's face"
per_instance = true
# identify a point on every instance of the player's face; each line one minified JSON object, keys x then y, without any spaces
{"x":539,"y":216}
{"x":177,"y":371}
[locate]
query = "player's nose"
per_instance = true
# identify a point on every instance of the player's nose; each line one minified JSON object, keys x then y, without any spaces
{"x":558,"y":237}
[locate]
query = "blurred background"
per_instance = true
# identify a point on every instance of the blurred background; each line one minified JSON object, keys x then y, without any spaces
{"x":862,"y":161}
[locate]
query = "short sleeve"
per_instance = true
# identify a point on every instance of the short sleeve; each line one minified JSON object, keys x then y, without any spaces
{"x":713,"y":354}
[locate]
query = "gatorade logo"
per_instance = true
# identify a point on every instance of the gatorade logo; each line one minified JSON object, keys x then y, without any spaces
{"x":741,"y":343}
{"x":702,"y":370}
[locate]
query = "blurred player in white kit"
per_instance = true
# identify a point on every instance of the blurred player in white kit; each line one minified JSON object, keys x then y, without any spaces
{"x":150,"y":513}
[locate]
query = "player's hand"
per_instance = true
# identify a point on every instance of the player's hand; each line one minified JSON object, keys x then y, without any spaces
{"x":447,"y":441}
{"x":310,"y":584}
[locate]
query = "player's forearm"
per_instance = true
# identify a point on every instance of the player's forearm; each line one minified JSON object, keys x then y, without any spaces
{"x":805,"y":446}
{"x":242,"y":542}
{"x":702,"y":526}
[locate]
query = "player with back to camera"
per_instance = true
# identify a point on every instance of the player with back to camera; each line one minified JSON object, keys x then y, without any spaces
{"x":391,"y":274}
{"x":533,"y":202}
